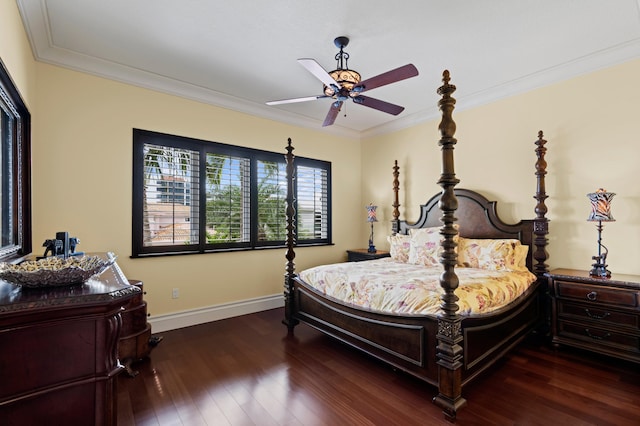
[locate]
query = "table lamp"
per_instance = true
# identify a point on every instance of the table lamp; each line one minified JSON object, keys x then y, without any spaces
{"x":600,"y":212}
{"x":371,"y":217}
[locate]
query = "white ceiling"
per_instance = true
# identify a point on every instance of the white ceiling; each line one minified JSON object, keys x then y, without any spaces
{"x":239,"y":54}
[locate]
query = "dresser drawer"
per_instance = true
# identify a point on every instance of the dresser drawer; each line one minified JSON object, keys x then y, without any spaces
{"x":609,"y":295}
{"x":599,"y":336}
{"x":598,"y":314}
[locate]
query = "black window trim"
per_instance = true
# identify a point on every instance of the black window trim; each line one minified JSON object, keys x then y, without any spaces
{"x":20,"y":169}
{"x":142,"y":137}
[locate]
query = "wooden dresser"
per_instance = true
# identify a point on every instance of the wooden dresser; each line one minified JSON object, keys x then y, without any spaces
{"x":59,"y":351}
{"x":135,"y":339}
{"x":597,"y":314}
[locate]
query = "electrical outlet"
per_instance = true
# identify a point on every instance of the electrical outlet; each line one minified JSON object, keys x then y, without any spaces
{"x":175,"y":293}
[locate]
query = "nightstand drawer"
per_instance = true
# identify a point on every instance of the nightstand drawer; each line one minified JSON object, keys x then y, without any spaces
{"x":598,"y":315}
{"x":599,"y":336}
{"x":600,"y":294}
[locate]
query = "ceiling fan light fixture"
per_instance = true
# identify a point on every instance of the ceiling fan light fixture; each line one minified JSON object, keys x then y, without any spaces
{"x":343,"y":84}
{"x":346,"y":78}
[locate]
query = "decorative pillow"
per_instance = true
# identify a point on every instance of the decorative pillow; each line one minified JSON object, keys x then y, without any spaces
{"x":492,"y":255}
{"x":425,"y":246}
{"x":521,"y":256}
{"x":399,"y":247}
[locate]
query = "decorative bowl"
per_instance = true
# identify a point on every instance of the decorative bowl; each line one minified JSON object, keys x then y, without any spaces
{"x":55,"y":271}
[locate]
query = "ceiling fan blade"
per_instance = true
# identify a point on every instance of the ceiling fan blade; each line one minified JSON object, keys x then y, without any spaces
{"x":379,"y":105}
{"x":294,"y":100}
{"x":320,"y":73}
{"x":333,"y":113}
{"x":388,"y":77}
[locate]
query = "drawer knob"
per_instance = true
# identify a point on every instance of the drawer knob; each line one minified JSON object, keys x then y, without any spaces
{"x":592,"y":296}
{"x":596,"y":316}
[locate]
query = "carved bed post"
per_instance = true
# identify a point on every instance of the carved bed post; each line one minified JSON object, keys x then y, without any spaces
{"x":540,"y":231}
{"x":449,"y":351}
{"x":395,"y":223}
{"x":290,"y":255}
{"x":541,"y":223}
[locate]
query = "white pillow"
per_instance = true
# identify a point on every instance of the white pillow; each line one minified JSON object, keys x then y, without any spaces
{"x":426,"y":246}
{"x":399,"y":247}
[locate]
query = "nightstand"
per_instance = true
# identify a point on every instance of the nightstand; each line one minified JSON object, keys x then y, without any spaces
{"x":597,"y":314}
{"x":358,"y":255}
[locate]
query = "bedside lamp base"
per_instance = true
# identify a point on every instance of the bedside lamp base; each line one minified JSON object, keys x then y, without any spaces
{"x":372,"y":248}
{"x":600,"y":270}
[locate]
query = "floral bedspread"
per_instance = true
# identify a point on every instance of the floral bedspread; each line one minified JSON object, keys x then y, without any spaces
{"x":402,"y":288}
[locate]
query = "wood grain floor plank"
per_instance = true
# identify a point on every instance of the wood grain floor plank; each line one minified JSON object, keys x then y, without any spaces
{"x":249,"y":371}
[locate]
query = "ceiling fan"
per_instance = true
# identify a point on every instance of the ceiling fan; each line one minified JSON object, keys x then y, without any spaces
{"x":343,"y":83}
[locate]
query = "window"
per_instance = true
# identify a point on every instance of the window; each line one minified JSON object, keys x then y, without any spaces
{"x":194,"y":196}
{"x":15,"y":189}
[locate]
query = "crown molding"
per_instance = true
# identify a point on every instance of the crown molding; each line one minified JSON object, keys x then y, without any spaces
{"x":34,"y":15}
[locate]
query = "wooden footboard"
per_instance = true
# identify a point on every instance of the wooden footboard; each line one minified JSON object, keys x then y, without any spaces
{"x":406,"y":343}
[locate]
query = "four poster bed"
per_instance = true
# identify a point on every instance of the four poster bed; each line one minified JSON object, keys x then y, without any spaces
{"x":444,"y":345}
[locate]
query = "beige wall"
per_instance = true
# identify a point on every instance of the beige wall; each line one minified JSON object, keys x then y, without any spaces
{"x":15,"y":52}
{"x":591,"y":125}
{"x":82,"y":160}
{"x":82,"y":153}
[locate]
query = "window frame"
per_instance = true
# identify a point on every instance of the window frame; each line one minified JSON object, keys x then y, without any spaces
{"x":15,"y":134}
{"x":202,"y":147}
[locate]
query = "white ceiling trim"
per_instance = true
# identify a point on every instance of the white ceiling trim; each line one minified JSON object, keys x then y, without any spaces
{"x":45,"y":51}
{"x":606,"y":58}
{"x":34,"y":14}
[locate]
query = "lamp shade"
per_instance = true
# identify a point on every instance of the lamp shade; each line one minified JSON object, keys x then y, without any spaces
{"x":600,"y":206}
{"x":371,"y":213}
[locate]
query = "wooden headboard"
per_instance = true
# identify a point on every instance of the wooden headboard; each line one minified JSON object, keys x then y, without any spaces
{"x":477,"y":218}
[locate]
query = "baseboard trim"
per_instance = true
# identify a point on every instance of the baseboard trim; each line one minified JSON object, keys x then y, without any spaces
{"x":182,"y":319}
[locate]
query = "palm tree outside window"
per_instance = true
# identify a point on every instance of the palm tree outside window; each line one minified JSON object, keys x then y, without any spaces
{"x":192,"y":196}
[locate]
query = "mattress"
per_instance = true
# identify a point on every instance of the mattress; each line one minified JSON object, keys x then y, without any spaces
{"x":388,"y":286}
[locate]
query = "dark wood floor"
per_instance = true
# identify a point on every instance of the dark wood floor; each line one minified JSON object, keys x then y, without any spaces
{"x":245,"y":371}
